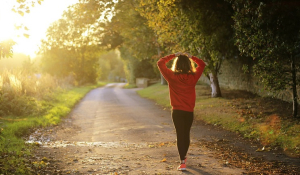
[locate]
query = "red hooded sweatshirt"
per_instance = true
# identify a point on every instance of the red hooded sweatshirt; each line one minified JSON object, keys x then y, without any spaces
{"x":181,"y":86}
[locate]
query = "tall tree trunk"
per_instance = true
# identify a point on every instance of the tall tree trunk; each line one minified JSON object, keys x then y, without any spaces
{"x":163,"y":80}
{"x":132,"y":78}
{"x":213,"y":76}
{"x":82,"y":76}
{"x":295,"y":95}
{"x":214,"y":83}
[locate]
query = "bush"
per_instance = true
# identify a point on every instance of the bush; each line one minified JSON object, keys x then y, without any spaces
{"x":16,"y":105}
{"x":20,"y":92}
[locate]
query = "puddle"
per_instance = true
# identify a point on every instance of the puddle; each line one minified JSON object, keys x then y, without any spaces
{"x":38,"y":137}
{"x":57,"y":144}
{"x":45,"y":139}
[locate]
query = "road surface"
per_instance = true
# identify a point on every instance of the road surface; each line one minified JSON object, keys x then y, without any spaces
{"x":115,"y":131}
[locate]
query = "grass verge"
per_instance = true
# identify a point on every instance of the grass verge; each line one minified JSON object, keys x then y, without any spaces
{"x":14,"y":152}
{"x":129,"y":86}
{"x":266,"y":120}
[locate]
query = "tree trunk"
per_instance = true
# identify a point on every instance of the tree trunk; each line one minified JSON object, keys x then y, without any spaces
{"x":214,"y":83}
{"x":295,"y":95}
{"x":132,"y":78}
{"x":82,"y":66}
{"x":163,"y":80}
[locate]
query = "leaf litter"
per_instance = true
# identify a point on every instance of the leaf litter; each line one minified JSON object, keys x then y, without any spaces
{"x":232,"y":157}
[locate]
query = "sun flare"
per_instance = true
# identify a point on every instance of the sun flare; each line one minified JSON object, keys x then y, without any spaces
{"x":37,"y":22}
{"x":8,"y":31}
{"x":7,"y":20}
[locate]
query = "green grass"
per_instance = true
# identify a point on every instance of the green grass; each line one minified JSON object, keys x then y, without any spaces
{"x":99,"y":84}
{"x":158,"y":93}
{"x":14,"y":151}
{"x":130,"y":86}
{"x":237,"y":115}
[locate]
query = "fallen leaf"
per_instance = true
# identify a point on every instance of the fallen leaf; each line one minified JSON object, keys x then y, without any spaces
{"x":164,"y":160}
{"x":260,"y":149}
{"x":151,"y":146}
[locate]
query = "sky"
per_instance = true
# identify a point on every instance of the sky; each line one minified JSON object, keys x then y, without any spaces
{"x":37,"y":21}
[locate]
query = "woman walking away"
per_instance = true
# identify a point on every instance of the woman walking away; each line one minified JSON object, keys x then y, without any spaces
{"x":182,"y":79}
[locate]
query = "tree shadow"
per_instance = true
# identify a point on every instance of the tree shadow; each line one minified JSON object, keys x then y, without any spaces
{"x":194,"y":171}
{"x":242,"y":99}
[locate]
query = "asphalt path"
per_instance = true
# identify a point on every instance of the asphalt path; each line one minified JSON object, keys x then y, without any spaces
{"x":115,"y":131}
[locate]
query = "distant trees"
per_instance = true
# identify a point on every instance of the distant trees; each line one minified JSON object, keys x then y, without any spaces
{"x":16,"y":62}
{"x":72,"y":43}
{"x":76,"y":41}
{"x":127,"y":31}
{"x":269,"y":31}
{"x":111,"y":66}
{"x":6,"y":48}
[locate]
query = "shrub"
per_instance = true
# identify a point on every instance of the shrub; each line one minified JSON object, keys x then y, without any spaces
{"x":20,"y":92}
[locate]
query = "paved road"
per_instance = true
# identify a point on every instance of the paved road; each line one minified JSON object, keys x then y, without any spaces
{"x":114,"y":131}
{"x":114,"y":114}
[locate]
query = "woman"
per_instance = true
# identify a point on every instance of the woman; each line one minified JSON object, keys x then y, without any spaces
{"x":182,"y":79}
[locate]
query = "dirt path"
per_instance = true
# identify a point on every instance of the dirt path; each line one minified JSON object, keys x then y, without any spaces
{"x":114,"y":131}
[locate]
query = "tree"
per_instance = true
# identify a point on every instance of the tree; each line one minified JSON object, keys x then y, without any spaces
{"x":24,"y":6}
{"x":128,"y":32}
{"x":73,"y":40}
{"x":111,"y":66}
{"x":200,"y":27}
{"x":28,"y":66}
{"x":269,"y":32}
{"x":6,"y":48}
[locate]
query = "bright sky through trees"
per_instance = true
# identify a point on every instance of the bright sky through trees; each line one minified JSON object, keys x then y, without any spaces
{"x":37,"y":21}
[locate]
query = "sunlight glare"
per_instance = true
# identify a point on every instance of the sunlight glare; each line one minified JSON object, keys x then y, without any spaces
{"x":7,"y":20}
{"x":6,"y":33}
{"x":37,"y":21}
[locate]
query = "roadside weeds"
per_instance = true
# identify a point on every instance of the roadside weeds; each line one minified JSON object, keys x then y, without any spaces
{"x":15,"y":154}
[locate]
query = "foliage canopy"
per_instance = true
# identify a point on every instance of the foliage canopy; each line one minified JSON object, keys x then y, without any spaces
{"x":269,"y":32}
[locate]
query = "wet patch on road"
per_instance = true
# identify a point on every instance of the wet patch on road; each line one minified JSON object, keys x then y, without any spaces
{"x":57,"y":144}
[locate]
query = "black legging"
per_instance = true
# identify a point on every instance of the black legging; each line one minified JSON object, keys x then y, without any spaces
{"x":183,"y":121}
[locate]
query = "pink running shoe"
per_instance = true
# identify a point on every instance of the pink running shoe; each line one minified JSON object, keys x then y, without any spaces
{"x":181,"y":167}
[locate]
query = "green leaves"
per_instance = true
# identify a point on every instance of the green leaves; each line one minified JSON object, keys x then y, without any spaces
{"x":264,"y":31}
{"x":21,"y":13}
{"x":6,"y":48}
{"x":72,"y":45}
{"x":189,"y":25}
{"x":269,"y":32}
{"x":25,"y":5}
{"x":26,"y":35}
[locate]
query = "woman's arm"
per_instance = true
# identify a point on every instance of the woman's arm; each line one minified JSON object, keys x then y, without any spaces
{"x":166,"y":72}
{"x":200,"y":64}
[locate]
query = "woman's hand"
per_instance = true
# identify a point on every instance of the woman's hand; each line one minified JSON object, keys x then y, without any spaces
{"x":178,"y":53}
